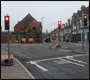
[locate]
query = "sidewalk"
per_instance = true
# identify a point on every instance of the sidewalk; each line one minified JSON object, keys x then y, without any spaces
{"x":16,"y":71}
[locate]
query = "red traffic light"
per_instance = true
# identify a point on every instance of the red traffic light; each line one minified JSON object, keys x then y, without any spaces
{"x":59,"y":24}
{"x":6,"y":18}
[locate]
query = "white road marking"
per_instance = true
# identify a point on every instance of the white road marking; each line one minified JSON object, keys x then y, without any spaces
{"x":80,"y":51}
{"x":42,"y":68}
{"x":61,"y":62}
{"x":72,"y":62}
{"x":59,"y":57}
{"x":77,"y":60}
{"x":65,"y":50}
{"x":68,"y":57}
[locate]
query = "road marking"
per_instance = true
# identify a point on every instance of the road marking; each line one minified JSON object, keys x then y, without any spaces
{"x":42,"y":68}
{"x":72,"y":62}
{"x":65,"y":50}
{"x":26,"y":69}
{"x":61,"y":62}
{"x":80,"y":51}
{"x":59,"y":57}
{"x":77,"y":60}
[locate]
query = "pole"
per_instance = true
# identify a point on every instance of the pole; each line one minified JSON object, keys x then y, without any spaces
{"x":58,"y":37}
{"x":8,"y":44}
{"x":83,"y":33}
{"x":42,"y":27}
{"x":19,"y":38}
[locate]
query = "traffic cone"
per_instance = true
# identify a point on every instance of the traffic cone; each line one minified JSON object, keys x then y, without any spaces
{"x":12,"y":58}
{"x":57,"y":44}
{"x":50,"y":45}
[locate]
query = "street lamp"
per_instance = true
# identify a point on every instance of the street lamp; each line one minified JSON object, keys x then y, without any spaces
{"x":42,"y":22}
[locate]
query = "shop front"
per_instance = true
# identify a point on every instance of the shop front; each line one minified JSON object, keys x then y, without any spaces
{"x":26,"y":37}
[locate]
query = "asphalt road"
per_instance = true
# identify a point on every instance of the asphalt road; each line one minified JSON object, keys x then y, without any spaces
{"x":46,"y":63}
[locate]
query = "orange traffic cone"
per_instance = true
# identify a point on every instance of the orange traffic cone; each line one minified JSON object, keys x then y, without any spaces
{"x":12,"y":58}
{"x":50,"y":45}
{"x":57,"y":44}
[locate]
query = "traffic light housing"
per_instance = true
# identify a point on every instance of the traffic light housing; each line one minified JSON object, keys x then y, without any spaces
{"x":85,"y":19}
{"x":59,"y":24}
{"x":6,"y":18}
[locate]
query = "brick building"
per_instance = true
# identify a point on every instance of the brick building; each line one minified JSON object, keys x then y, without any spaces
{"x":3,"y":36}
{"x":73,"y":28}
{"x":28,"y":30}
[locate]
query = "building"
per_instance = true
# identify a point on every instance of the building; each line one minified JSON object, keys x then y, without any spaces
{"x":73,"y":29}
{"x":3,"y":36}
{"x":77,"y":25}
{"x":28,"y":30}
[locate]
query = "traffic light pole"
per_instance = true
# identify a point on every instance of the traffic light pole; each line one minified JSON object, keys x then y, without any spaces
{"x":83,"y":34}
{"x":58,"y":37}
{"x":8,"y":44}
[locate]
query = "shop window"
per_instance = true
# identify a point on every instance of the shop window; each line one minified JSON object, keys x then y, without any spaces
{"x":16,"y":37}
{"x":30,"y":38}
{"x":23,"y":38}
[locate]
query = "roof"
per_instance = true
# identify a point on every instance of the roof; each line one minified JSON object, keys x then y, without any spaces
{"x":25,"y":21}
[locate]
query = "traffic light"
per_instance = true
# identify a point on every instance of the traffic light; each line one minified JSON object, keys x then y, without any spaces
{"x":85,"y":19}
{"x":6,"y":22}
{"x":59,"y":24}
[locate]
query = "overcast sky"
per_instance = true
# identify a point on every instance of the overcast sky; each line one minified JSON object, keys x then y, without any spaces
{"x":52,"y":11}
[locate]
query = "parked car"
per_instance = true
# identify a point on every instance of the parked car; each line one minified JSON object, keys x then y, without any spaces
{"x":47,"y":40}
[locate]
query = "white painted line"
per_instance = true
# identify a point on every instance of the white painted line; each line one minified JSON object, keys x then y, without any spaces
{"x":61,"y":62}
{"x":59,"y":57}
{"x":80,"y":51}
{"x":42,"y":68}
{"x":72,"y":62}
{"x":80,"y":55}
{"x":26,"y":69}
{"x":65,"y":50}
{"x":77,"y":60}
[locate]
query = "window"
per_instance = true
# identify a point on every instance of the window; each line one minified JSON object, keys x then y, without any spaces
{"x":21,"y":29}
{"x":30,"y":38}
{"x":16,"y":37}
{"x":80,"y":23}
{"x":77,"y":25}
{"x":33,"y":28}
{"x":74,"y":27}
{"x":87,"y":22}
{"x":23,"y":38}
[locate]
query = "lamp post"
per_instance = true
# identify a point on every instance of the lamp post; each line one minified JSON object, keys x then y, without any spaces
{"x":42,"y":26}
{"x":42,"y":22}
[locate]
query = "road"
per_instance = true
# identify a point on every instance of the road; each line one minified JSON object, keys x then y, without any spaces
{"x":46,"y":63}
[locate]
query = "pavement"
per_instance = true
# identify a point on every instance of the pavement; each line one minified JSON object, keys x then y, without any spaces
{"x":16,"y":71}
